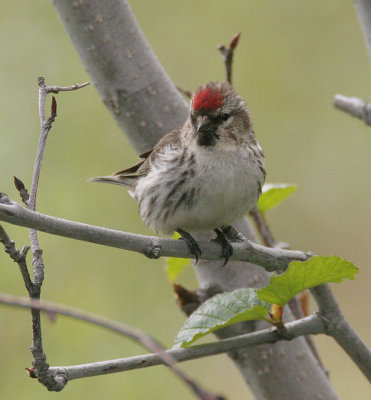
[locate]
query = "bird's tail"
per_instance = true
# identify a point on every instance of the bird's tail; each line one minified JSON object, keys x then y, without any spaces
{"x":128,"y":181}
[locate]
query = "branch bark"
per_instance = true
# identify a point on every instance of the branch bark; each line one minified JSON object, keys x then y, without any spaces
{"x":338,"y":327}
{"x":58,"y":377}
{"x":309,"y":325}
{"x":127,"y":74}
{"x":271,"y":259}
{"x":363,"y":9}
{"x":354,"y":106}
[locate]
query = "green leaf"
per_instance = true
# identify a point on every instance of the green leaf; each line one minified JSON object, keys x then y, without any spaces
{"x":304,"y":275}
{"x":219,"y":311}
{"x":175,"y":266}
{"x":273,"y":194}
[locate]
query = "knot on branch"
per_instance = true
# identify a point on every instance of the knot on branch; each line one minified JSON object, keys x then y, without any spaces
{"x":331,"y":323}
{"x":4,"y":198}
{"x":282,"y":332}
{"x":153,"y":249}
{"x":54,"y":382}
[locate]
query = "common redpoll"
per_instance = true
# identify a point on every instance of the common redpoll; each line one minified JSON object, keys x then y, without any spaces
{"x":202,"y":176}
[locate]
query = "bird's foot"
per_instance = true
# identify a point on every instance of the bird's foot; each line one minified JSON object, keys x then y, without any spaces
{"x":193,"y":246}
{"x":227,"y":249}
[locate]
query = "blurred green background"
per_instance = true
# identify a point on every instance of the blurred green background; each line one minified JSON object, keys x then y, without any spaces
{"x":292,"y":58}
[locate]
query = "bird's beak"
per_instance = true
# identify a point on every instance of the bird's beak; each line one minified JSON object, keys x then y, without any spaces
{"x":203,"y":125}
{"x":206,"y":132}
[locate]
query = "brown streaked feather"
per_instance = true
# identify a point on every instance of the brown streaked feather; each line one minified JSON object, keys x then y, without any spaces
{"x":130,"y":170}
{"x":143,"y":166}
{"x":145,"y":154}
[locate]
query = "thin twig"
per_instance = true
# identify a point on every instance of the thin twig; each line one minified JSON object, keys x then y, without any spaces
{"x":309,"y":325}
{"x":271,"y":259}
{"x":39,"y":358}
{"x":185,"y":92}
{"x":45,"y":90}
{"x":354,"y":106}
{"x":227,"y":54}
{"x":263,"y":228}
{"x":17,"y":256}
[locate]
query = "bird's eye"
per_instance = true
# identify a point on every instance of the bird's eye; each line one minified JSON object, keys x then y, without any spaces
{"x":224,"y":117}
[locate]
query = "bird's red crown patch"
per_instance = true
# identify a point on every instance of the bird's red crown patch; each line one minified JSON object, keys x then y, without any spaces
{"x":207,"y":99}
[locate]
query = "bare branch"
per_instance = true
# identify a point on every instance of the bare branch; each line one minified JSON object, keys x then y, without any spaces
{"x":263,"y":228}
{"x":40,"y":366}
{"x":309,"y":325}
{"x":354,"y":106}
{"x":184,"y":92}
{"x":363,"y":9}
{"x":269,"y":258}
{"x":45,"y":90}
{"x":227,"y":54}
{"x":59,"y":380}
{"x":338,"y":327}
{"x":17,"y":256}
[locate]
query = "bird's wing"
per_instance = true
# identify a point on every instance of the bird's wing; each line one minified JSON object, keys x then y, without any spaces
{"x":143,"y":167}
{"x":130,"y":176}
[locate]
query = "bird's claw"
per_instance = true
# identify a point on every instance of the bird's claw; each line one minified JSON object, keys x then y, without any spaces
{"x":193,"y":246}
{"x":227,"y":249}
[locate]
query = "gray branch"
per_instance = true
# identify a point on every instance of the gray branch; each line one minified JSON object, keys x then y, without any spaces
{"x":305,"y":326}
{"x":363,"y":9}
{"x":338,"y":327}
{"x":354,"y":106}
{"x":57,"y":381}
{"x":269,"y":258}
{"x":17,"y":256}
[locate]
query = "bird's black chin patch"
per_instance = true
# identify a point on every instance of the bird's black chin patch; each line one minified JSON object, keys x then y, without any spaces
{"x":206,"y":138}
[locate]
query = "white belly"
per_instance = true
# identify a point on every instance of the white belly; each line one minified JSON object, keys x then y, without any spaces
{"x":224,"y":188}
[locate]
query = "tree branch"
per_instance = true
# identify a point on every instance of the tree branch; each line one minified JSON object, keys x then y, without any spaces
{"x":153,"y":247}
{"x":338,"y":327}
{"x":17,"y":256}
{"x":363,"y":9}
{"x":309,"y":325}
{"x":354,"y":106}
{"x":34,"y":289}
{"x":57,"y":380}
{"x":227,"y":54}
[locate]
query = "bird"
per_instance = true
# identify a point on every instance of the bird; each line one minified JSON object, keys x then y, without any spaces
{"x":202,"y":176}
